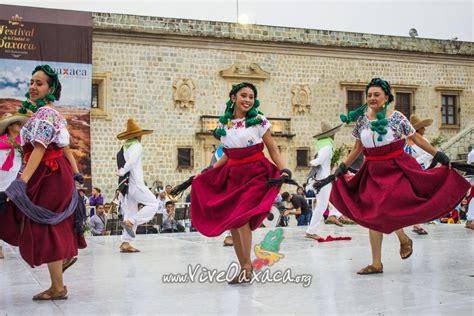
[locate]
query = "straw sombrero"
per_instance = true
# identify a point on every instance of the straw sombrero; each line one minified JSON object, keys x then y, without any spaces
{"x":417,"y":123}
{"x":9,"y":118}
{"x":327,"y":130}
{"x":133,"y":130}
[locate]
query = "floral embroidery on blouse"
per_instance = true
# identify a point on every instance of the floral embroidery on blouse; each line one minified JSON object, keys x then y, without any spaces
{"x":240,"y":123}
{"x":397,"y":122}
{"x":43,"y":127}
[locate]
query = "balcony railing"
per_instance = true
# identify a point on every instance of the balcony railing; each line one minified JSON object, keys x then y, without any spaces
{"x":281,"y":127}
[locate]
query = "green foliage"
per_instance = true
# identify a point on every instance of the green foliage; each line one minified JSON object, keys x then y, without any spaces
{"x":438,"y":141}
{"x":338,"y":154}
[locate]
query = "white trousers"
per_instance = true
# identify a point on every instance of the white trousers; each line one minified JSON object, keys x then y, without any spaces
{"x":130,"y":208}
{"x":470,"y":211}
{"x":322,"y":202}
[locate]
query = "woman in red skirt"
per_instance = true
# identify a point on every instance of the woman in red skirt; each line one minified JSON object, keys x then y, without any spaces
{"x":41,"y":220}
{"x":234,"y":195}
{"x":391,"y":191}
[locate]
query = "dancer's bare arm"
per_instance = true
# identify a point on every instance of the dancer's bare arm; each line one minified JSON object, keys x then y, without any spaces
{"x":71,"y":159}
{"x":33,"y":162}
{"x":354,"y":153}
{"x":273,"y":150}
{"x":423,"y":143}
{"x":222,"y":161}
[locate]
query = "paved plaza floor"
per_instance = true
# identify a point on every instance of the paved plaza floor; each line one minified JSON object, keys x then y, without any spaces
{"x":438,"y":279}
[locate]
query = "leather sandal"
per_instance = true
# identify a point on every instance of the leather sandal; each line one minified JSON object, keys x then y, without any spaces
{"x":406,"y":248}
{"x":314,"y":236}
{"x":48,"y":295}
{"x":419,"y":230}
{"x":244,"y":276}
{"x":333,"y":220}
{"x":128,"y":249}
{"x":228,"y":241}
{"x":469,"y":224}
{"x":68,"y":263}
{"x":370,"y":269}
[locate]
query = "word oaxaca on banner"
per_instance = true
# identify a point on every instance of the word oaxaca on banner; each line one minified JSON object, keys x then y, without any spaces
{"x":62,"y":39}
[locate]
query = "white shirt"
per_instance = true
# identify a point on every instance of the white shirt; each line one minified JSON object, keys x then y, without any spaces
{"x":7,"y":177}
{"x":161,"y":205}
{"x":239,"y":136}
{"x":133,"y":163}
{"x":470,"y":157}
{"x":323,"y":160}
{"x":421,"y":156}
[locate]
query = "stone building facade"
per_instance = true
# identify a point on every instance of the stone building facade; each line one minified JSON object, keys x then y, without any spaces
{"x":174,"y":75}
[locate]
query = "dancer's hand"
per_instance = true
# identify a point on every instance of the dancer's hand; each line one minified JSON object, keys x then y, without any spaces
{"x":341,"y":170}
{"x":79,"y":178}
{"x":442,"y":158}
{"x":285,"y":173}
{"x":120,"y":172}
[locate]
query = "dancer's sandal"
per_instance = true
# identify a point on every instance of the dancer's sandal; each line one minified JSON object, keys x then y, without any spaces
{"x":370,"y":269}
{"x":313,"y":236}
{"x":68,"y":263}
{"x":406,"y":249}
{"x":419,"y":230}
{"x":333,"y":220}
{"x":243,"y":277}
{"x":128,"y":229}
{"x":469,"y":224}
{"x":228,"y":241}
{"x":346,"y":221}
{"x":48,"y":295}
{"x":128,"y":249}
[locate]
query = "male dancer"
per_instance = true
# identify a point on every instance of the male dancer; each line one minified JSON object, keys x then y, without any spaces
{"x":132,"y":185}
{"x":421,"y":156}
{"x":10,"y":151}
{"x":324,"y":148}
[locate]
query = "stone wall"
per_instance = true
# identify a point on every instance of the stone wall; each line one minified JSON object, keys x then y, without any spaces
{"x":145,"y":61}
{"x":457,"y":147}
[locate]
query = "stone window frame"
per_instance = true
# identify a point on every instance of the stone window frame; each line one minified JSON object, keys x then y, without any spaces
{"x":191,"y":157}
{"x":412,"y":107}
{"x":351,"y":86}
{"x":450,"y":91}
{"x":104,"y":82}
{"x":405,"y":88}
{"x":308,"y":154}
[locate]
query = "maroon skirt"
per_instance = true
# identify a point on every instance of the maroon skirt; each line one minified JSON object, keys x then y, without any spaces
{"x":51,"y":189}
{"x":234,"y":194}
{"x":389,"y":194}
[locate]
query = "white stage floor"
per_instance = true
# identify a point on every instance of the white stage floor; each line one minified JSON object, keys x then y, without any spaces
{"x":438,"y":279}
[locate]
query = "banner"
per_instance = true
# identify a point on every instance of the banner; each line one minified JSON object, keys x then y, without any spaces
{"x":62,"y":39}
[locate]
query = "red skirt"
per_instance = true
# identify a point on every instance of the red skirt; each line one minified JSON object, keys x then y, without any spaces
{"x":40,"y":243}
{"x":234,"y":194}
{"x":386,"y":195}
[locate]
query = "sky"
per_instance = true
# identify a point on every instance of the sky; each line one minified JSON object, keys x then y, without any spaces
{"x":441,"y":19}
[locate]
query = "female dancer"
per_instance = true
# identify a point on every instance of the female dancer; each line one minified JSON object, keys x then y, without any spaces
{"x":234,"y":195}
{"x":42,"y":220}
{"x":391,"y":191}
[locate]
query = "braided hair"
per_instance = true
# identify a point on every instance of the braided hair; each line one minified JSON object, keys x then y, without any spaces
{"x":251,"y":117}
{"x":55,"y":94}
{"x":381,"y":122}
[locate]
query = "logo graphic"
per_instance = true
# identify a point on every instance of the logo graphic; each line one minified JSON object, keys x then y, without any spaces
{"x":16,"y":20}
{"x":267,"y":251}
